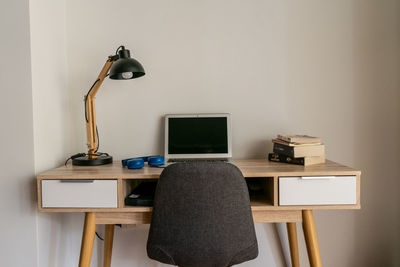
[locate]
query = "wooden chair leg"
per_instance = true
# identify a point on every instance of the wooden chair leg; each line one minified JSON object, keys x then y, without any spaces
{"x":89,"y":230}
{"x":108,"y":244}
{"x":310,"y":235}
{"x":293,"y":244}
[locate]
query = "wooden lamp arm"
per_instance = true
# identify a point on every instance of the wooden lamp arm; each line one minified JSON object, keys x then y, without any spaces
{"x":91,"y":131}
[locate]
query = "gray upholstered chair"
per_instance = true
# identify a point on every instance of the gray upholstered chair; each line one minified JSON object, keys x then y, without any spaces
{"x":202,"y":217}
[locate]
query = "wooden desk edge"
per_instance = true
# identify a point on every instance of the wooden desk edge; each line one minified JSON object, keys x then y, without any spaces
{"x":258,"y":168}
{"x":145,"y":217}
{"x":253,"y":208}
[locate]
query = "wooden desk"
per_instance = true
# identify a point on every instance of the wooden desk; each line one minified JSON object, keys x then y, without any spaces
{"x":289,"y":194}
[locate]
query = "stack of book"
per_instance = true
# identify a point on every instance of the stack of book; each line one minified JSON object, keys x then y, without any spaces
{"x":298,"y":149}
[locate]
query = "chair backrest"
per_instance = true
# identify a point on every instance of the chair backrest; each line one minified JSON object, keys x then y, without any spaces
{"x":202,"y":216}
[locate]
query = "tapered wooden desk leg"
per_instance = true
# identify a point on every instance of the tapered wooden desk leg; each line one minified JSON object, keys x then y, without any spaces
{"x":311,"y":239}
{"x":108,"y":244}
{"x":293,"y":244}
{"x":89,"y":230}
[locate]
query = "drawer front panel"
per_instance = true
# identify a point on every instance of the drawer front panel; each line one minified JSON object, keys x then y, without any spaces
{"x":322,"y":190}
{"x":79,"y":193}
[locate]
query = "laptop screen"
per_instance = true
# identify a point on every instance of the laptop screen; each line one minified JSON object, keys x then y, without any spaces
{"x":197,"y":135}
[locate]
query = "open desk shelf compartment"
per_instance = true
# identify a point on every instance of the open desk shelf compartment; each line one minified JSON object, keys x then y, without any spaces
{"x":261,"y":191}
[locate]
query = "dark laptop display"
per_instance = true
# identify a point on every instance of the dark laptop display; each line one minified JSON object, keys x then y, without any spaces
{"x":198,"y":135}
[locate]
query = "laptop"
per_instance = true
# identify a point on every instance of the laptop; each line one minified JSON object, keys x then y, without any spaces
{"x":191,"y":137}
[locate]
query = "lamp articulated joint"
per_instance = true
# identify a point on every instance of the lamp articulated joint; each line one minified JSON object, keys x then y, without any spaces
{"x":120,"y":51}
{"x":113,"y":58}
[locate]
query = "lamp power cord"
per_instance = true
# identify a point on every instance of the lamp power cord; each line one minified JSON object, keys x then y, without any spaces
{"x":102,"y":238}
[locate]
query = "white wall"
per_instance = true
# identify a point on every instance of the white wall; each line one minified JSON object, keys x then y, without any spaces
{"x":377,"y":123}
{"x":329,"y":68}
{"x":51,"y":96}
{"x":53,"y":130}
{"x":17,"y":183}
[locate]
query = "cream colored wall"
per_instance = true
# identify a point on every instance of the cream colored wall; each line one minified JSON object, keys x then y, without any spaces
{"x":376,"y":73}
{"x":17,"y":188}
{"x":52,"y":123}
{"x":329,"y":68}
{"x":51,"y":95}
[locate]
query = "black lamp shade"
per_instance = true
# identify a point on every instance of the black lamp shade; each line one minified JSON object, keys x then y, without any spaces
{"x":125,"y":67}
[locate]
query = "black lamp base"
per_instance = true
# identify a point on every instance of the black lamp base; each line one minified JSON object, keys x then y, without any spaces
{"x":85,"y":161}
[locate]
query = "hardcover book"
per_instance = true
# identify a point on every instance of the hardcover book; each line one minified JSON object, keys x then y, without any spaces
{"x":300,"y":151}
{"x":280,"y":141}
{"x":307,"y":161}
{"x":299,"y":138}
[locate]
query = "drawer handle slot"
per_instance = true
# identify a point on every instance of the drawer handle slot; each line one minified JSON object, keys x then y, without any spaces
{"x":317,"y":177}
{"x":76,"y":181}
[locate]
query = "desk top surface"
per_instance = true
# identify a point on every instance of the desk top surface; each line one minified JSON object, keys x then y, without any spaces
{"x":249,"y":168}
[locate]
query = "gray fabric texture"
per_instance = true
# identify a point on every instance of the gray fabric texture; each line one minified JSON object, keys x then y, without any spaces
{"x":202,"y":217}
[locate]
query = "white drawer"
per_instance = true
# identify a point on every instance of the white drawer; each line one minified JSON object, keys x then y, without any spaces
{"x":317,"y":190}
{"x":79,"y":193}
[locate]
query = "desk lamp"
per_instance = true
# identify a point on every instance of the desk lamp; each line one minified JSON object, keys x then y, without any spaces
{"x":121,"y":67}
